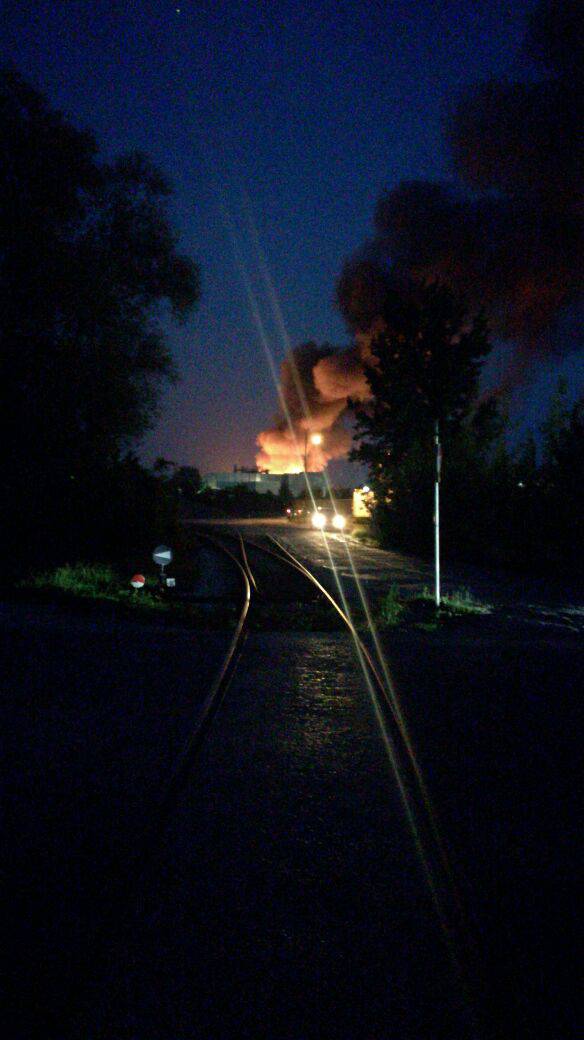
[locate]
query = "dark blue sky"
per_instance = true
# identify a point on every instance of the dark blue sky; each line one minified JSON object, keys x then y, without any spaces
{"x":311,"y":108}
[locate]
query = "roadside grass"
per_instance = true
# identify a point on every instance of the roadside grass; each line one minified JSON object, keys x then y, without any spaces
{"x":97,"y":583}
{"x":457,"y":603}
{"x":87,"y":580}
{"x":365,"y":536}
{"x":392,"y":608}
{"x":94,"y":587}
{"x":421,"y":612}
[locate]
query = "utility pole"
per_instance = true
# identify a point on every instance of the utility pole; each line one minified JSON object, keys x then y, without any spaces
{"x":316,"y":439}
{"x":437,"y":510}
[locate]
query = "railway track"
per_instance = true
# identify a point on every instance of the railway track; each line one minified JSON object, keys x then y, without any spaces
{"x":265,"y":574}
{"x":271,"y":573}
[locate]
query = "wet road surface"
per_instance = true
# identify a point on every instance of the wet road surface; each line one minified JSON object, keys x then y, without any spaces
{"x":535,"y":600}
{"x":287,"y":899}
{"x":94,"y":712}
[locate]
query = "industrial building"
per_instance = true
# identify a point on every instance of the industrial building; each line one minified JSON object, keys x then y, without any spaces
{"x":262,"y":481}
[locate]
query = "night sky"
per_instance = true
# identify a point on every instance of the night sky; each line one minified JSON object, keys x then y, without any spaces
{"x":308,"y":109}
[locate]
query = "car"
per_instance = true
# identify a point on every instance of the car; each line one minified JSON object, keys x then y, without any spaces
{"x":296,"y":514}
{"x":325,"y":517}
{"x":321,"y":518}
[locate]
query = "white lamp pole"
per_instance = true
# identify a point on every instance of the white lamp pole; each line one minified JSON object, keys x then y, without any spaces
{"x":437,"y":511}
{"x":316,"y":439}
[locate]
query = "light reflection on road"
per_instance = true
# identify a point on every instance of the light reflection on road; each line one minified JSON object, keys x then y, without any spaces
{"x":544,"y":601}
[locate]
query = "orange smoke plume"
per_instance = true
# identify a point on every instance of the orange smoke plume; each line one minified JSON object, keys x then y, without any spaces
{"x":329,"y":380}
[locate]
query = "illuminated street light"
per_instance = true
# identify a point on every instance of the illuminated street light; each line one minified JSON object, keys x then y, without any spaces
{"x":316,"y":439}
{"x":437,"y":512}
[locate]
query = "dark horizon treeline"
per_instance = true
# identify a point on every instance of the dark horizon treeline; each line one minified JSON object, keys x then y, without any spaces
{"x":89,"y":267}
{"x":498,"y":505}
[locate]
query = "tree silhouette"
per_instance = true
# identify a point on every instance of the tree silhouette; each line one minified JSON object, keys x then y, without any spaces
{"x":89,"y":268}
{"x":424,"y":370}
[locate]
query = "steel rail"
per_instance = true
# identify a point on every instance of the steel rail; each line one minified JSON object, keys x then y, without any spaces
{"x":300,"y":567}
{"x":211,"y":704}
{"x":213,"y":700}
{"x":246,"y":565}
{"x":454,"y":915}
{"x":284,"y":556}
{"x":246,"y":544}
{"x":457,"y":919}
{"x":122,"y":898}
{"x":184,"y":763}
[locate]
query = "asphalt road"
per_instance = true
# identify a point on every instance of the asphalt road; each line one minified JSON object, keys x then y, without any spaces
{"x":94,"y":713}
{"x":287,"y":899}
{"x":537,"y":601}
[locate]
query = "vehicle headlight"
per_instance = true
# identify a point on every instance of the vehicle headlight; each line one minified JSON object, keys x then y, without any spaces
{"x":318,"y":520}
{"x":339,"y":521}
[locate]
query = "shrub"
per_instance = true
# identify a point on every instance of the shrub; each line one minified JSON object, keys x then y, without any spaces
{"x":391,"y":607}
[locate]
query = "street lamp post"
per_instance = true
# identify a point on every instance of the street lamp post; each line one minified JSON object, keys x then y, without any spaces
{"x":438,"y":447}
{"x":316,"y":439}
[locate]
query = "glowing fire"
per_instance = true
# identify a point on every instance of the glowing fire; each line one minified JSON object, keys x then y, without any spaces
{"x":328,"y":379}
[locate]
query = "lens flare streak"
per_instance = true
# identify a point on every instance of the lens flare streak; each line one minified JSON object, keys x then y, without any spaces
{"x":427,"y":840}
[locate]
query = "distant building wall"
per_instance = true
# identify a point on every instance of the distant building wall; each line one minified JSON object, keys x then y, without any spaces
{"x":263,"y":482}
{"x":218,"y":481}
{"x":298,"y":482}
